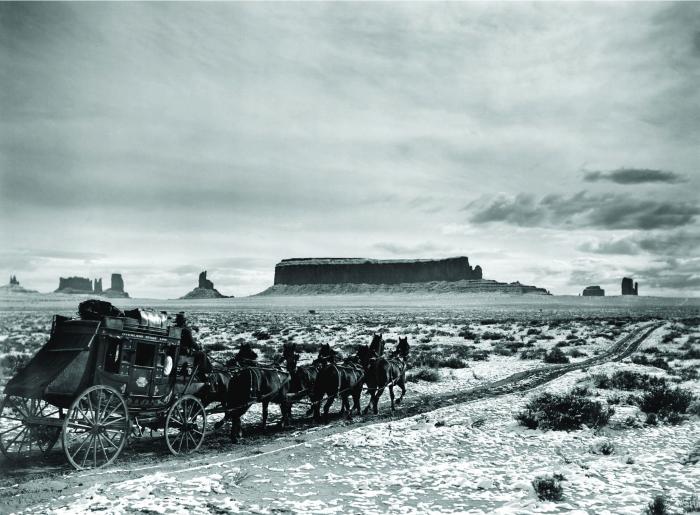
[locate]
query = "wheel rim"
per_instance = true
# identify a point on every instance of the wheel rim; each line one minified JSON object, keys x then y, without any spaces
{"x":185,"y":425}
{"x":21,"y":437}
{"x":95,"y":429}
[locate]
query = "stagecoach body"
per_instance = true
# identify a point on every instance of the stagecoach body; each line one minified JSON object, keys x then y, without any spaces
{"x":95,"y":382}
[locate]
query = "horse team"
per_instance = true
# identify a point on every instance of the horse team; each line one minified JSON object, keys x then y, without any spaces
{"x":327,"y":377}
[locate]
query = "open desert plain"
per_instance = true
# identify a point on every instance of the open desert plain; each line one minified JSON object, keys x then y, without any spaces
{"x":526,"y":404}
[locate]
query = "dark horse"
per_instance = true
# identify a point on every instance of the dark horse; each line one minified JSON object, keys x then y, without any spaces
{"x":303,"y":377}
{"x":251,"y":383}
{"x":337,"y":380}
{"x":384,"y":372}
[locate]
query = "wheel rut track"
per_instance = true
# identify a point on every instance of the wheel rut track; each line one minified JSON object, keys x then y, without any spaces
{"x":305,"y":432}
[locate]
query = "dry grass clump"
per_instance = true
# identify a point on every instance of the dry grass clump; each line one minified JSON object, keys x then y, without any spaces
{"x":564,"y":412}
{"x":548,"y":488}
{"x":423,"y":374}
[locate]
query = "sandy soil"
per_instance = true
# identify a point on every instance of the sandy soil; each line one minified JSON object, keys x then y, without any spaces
{"x":452,"y":447}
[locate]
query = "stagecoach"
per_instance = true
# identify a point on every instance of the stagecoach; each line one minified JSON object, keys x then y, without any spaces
{"x":96,"y":383}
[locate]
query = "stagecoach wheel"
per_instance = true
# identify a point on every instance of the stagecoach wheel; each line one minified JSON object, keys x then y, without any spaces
{"x":96,"y":428}
{"x":22,"y":433}
{"x":185,"y":425}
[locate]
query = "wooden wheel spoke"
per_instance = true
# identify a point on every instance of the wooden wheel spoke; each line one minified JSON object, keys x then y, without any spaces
{"x":104,"y":452}
{"x":11,"y":429}
{"x":87,"y":450}
{"x":110,"y":441}
{"x":22,"y":410}
{"x":115,"y":421}
{"x":103,"y":415}
{"x":16,"y":437}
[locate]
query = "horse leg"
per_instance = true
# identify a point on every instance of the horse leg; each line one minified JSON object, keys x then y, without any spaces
{"x":236,"y":431}
{"x":356,"y":399}
{"x":391,"y":395}
{"x":227,"y":416}
{"x":402,"y":385}
{"x":346,"y":406}
{"x":264,"y":413}
{"x":375,"y":400}
{"x":327,"y":407}
{"x":372,"y":392}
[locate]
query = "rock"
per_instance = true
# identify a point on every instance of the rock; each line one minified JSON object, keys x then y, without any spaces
{"x":593,"y":291}
{"x":205,"y":290}
{"x":74,"y":285}
{"x":97,"y":286}
{"x":628,"y":287}
{"x":373,"y":271}
{"x":304,"y":276}
{"x":116,"y":288}
{"x":13,"y":287}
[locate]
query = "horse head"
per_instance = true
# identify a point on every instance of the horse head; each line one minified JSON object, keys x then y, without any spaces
{"x":377,"y":344}
{"x":246,"y":353}
{"x":365,"y":355}
{"x":402,"y":348}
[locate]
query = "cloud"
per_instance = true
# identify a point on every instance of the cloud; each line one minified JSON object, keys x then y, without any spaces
{"x":634,"y":176}
{"x":673,"y":274}
{"x":584,"y":210}
{"x":662,"y":243}
{"x":406,"y":250}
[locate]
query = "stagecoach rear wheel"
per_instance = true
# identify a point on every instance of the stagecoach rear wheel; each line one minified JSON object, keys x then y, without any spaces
{"x":96,"y":428}
{"x":185,"y":425}
{"x":27,"y":427}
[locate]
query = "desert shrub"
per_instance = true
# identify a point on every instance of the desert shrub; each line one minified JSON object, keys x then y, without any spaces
{"x":532,"y":354}
{"x":487,"y":321}
{"x":548,"y":488}
{"x":657,"y":506}
{"x":571,"y":337}
{"x":423,"y":374}
{"x":533,"y":331}
{"x":656,"y":362}
{"x":692,"y":353}
{"x":261,"y":335}
{"x":687,"y":373}
{"x":427,"y":360}
{"x":575,"y":353}
{"x":627,"y":380}
{"x":216,"y":346}
{"x":453,"y":362}
{"x":670,"y":336}
{"x":479,"y":355}
{"x":563,"y":412}
{"x":556,"y":355}
{"x":503,"y":350}
{"x":694,"y":408}
{"x":691,"y":504}
{"x":604,"y":447}
{"x":12,"y":362}
{"x":468,"y":334}
{"x":665,"y":401}
{"x":493,"y":335}
{"x":311,"y":348}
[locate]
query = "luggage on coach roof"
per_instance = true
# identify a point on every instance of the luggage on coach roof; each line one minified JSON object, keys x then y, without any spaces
{"x":94,"y":309}
{"x":148,"y":317}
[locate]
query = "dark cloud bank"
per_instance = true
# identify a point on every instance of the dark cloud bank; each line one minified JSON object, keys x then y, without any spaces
{"x":630,"y":176}
{"x":584,"y":210}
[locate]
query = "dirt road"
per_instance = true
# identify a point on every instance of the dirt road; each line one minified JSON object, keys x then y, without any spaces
{"x":51,"y":485}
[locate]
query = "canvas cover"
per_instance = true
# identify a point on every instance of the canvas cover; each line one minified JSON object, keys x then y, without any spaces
{"x":66,"y":343}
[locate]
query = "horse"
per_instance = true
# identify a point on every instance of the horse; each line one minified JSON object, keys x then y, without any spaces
{"x":303,"y":377}
{"x":338,"y":379}
{"x":387,"y":372}
{"x":377,"y":344}
{"x":251,"y":383}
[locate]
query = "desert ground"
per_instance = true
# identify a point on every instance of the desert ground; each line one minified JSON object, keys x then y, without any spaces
{"x":513,"y":405}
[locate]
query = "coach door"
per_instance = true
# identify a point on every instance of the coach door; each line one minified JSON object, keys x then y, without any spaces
{"x":143,"y":368}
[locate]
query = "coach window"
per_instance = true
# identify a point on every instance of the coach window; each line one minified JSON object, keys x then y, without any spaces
{"x":145,"y":354}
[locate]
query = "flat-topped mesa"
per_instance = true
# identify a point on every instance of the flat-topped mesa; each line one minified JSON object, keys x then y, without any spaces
{"x":593,"y":291}
{"x":373,"y":271}
{"x":74,"y":285}
{"x":629,"y":287}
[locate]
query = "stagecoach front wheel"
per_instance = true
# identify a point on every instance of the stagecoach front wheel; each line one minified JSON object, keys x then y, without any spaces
{"x":95,"y":428}
{"x":27,"y":427}
{"x":184,"y":427}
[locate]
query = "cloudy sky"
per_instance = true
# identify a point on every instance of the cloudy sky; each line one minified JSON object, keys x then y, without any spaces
{"x":554,"y":144}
